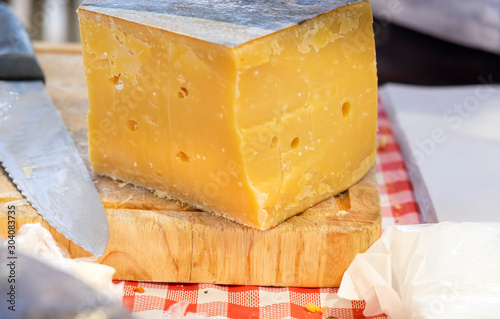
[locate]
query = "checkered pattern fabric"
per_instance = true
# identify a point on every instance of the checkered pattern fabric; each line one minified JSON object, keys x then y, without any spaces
{"x":216,"y":301}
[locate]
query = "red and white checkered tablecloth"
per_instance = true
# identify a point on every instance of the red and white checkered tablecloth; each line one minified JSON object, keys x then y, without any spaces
{"x":217,"y":301}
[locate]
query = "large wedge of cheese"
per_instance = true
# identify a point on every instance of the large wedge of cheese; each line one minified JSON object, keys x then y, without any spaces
{"x":254,"y":110}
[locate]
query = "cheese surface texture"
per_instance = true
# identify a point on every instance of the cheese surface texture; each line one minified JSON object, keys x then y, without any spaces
{"x":252,"y":121}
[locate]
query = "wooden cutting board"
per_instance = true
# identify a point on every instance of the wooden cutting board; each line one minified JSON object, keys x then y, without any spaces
{"x":154,"y":239}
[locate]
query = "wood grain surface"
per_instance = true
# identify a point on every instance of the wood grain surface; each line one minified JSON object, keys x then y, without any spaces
{"x":154,"y":239}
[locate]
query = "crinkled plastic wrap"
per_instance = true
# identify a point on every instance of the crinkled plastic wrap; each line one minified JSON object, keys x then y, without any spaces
{"x":445,"y":270}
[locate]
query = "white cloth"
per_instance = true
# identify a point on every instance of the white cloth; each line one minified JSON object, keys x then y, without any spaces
{"x":450,"y":139}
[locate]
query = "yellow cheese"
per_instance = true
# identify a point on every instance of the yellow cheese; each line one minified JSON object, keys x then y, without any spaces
{"x":253,"y":122}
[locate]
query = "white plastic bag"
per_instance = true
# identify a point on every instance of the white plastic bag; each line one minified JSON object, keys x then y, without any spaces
{"x":473,"y":23}
{"x":445,"y":270}
{"x":35,"y":241}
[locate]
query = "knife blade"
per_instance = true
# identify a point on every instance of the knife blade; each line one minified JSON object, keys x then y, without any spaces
{"x":36,"y":149}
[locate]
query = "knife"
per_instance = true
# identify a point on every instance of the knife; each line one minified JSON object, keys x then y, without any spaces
{"x":36,"y":149}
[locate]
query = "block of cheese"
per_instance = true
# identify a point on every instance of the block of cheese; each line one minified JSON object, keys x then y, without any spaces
{"x":253,"y":110}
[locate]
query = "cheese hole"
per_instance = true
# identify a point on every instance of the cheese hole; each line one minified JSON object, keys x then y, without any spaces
{"x":158,"y":174}
{"x":274,"y":142}
{"x":182,"y":93}
{"x":132,"y":125}
{"x":131,"y":52}
{"x":295,"y":142}
{"x":119,"y":40}
{"x":346,"y":108}
{"x":114,"y":79}
{"x":181,"y":156}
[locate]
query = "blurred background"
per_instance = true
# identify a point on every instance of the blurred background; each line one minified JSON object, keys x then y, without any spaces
{"x":48,"y":20}
{"x":426,"y":42}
